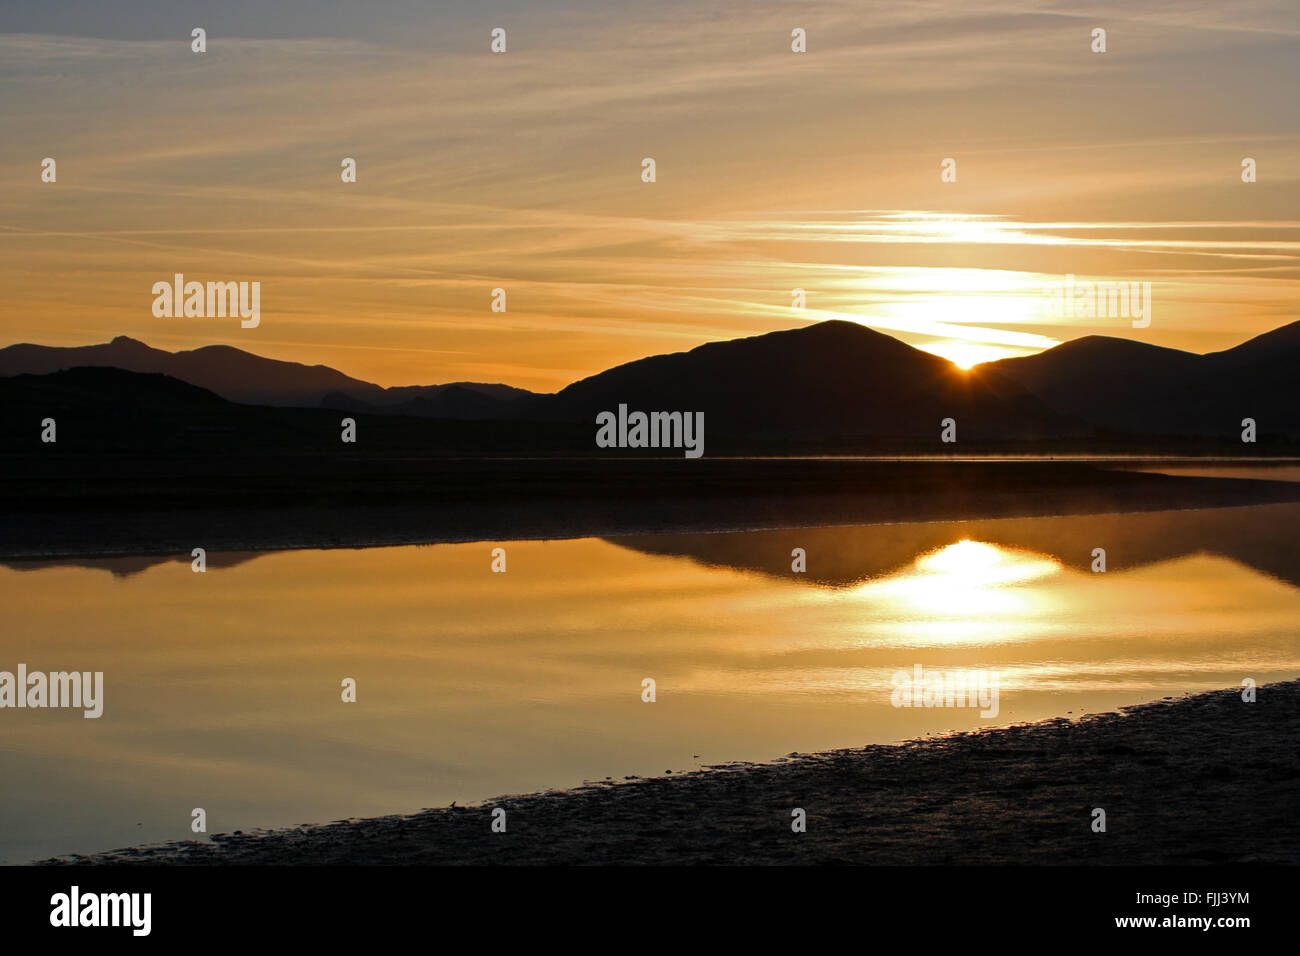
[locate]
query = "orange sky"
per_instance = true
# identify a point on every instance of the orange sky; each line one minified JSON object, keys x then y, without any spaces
{"x":775,"y":170}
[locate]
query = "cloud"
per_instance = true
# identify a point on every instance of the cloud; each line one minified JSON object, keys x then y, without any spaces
{"x":776,"y":170}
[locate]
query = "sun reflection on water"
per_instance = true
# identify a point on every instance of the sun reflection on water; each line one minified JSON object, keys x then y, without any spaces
{"x":967,"y":591}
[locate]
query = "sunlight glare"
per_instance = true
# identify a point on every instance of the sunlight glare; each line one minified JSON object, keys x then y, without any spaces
{"x":966,"y":355}
{"x":967,"y":592}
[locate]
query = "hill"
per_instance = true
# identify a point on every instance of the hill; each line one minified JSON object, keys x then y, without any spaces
{"x":1137,"y":389}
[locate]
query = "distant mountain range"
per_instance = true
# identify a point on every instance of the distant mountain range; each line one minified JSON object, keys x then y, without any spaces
{"x":832,"y":382}
{"x":240,"y":376}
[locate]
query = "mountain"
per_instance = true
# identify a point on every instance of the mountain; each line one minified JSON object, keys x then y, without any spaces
{"x":396,"y":394}
{"x":826,"y":387}
{"x":834,"y":381}
{"x":98,"y":409}
{"x":232,"y":373}
{"x":831,"y":381}
{"x":1137,"y":389}
{"x":113,"y":391}
{"x":460,"y":401}
{"x":1280,"y":341}
{"x":820,"y":388}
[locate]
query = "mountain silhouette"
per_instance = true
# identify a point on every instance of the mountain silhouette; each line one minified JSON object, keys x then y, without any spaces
{"x":103,"y":409}
{"x":825,"y":387}
{"x":112,"y":391}
{"x":830,"y":381}
{"x":100,"y":409}
{"x":463,"y":402}
{"x":232,"y":373}
{"x":1130,"y":387}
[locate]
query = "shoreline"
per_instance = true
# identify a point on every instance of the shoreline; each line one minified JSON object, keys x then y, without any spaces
{"x":1204,"y":779}
{"x":275,"y":512}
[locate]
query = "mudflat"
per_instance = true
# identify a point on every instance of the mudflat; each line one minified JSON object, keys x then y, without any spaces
{"x":1204,"y":779}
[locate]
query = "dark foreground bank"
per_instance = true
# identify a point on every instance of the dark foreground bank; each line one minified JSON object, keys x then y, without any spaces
{"x":1208,"y":779}
{"x":80,"y":506}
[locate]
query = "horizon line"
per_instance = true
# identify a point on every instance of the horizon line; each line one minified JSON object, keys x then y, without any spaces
{"x":808,"y":325}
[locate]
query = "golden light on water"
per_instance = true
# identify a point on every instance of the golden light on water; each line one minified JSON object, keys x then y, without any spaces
{"x":986,"y":564}
{"x":469,"y":690}
{"x":967,"y":591}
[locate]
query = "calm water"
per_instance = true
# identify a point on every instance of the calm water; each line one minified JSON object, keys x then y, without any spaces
{"x":222,"y":689}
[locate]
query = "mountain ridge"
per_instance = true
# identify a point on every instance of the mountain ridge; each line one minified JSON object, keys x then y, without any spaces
{"x":1122,"y":385}
{"x":233,"y":373}
{"x":823,"y":381}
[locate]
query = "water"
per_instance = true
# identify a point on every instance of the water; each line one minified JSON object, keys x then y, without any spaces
{"x":222,"y":690}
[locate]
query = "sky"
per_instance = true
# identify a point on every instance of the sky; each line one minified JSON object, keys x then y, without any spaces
{"x":522,"y":170}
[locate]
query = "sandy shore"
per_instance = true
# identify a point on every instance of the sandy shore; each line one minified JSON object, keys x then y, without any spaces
{"x":1199,"y":780}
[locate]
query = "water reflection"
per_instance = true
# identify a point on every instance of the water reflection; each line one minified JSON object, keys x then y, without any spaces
{"x":1263,"y":537}
{"x":222,"y":689}
{"x":968,"y":591}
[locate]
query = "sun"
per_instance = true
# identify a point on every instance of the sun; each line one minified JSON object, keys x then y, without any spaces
{"x":966,"y":355}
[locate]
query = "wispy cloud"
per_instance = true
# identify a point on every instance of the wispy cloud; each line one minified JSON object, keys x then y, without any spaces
{"x":776,"y":171}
